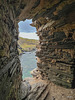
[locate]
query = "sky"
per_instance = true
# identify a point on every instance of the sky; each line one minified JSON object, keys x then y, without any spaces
{"x":27,"y":31}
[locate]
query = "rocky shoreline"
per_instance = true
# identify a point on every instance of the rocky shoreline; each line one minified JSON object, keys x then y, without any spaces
{"x":27,"y":51}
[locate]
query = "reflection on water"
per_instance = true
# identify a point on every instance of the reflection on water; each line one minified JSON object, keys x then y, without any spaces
{"x":28,"y":63}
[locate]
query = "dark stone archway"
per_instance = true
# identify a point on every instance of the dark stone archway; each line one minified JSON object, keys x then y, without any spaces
{"x":55,"y":24}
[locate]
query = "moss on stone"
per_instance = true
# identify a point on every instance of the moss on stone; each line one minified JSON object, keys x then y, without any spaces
{"x":2,"y":53}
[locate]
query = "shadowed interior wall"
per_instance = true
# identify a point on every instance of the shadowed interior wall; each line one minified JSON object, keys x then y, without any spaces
{"x":55,"y":24}
{"x":10,"y":71}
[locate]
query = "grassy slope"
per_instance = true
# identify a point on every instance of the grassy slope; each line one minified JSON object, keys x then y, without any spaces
{"x":27,"y":44}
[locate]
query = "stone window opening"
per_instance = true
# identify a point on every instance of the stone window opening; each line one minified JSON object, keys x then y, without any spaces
{"x":27,"y":42}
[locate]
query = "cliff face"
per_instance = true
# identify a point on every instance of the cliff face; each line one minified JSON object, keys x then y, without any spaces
{"x":26,"y":45}
{"x":55,"y":24}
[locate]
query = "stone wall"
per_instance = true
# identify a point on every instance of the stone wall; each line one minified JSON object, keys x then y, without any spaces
{"x":56,"y":48}
{"x":10,"y":73}
{"x":55,"y":24}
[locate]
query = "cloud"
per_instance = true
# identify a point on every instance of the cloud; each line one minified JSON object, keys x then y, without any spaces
{"x":29,"y":35}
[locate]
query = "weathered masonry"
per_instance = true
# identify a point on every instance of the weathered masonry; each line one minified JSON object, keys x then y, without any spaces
{"x":55,"y":24}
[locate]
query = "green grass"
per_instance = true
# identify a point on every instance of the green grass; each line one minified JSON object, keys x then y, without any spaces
{"x":26,"y":44}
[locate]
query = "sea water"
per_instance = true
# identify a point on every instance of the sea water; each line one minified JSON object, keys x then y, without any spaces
{"x":28,"y":63}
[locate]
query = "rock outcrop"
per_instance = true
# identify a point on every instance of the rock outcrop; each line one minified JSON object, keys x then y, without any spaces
{"x":37,"y":88}
{"x":55,"y":24}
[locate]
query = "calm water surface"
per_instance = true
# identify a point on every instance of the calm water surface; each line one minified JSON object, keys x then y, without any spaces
{"x":28,"y":63}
